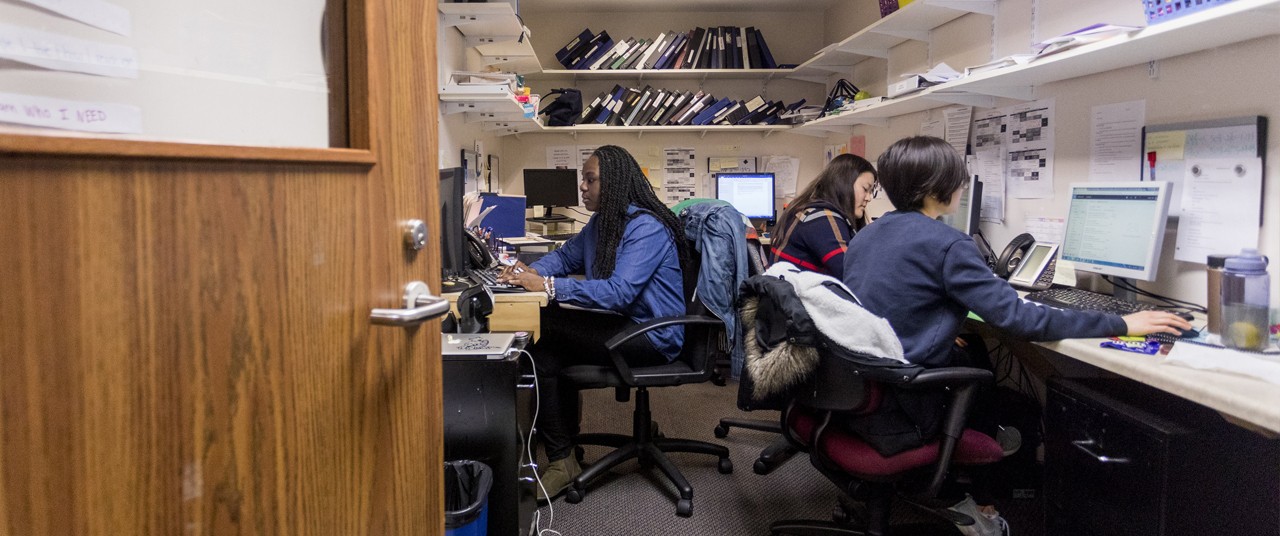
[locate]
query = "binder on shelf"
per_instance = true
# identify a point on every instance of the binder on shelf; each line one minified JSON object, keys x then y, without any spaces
{"x":696,"y":45}
{"x":608,"y":56}
{"x":669,"y":54}
{"x":676,"y":113}
{"x":652,"y":107}
{"x":600,"y":45}
{"x":606,"y":108}
{"x":704,"y":116}
{"x":638,"y":107}
{"x":698,"y":105}
{"x":635,"y":57}
{"x":574,"y":48}
{"x":650,"y":53}
{"x":743,"y":54}
{"x":673,"y":103}
{"x":589,"y":112}
{"x":766,"y":57}
{"x":753,"y":47}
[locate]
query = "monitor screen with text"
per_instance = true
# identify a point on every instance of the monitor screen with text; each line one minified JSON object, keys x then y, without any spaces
{"x":1117,"y":228}
{"x":750,"y":193}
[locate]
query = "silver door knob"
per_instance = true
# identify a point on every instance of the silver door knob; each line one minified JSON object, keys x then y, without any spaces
{"x":419,"y":306}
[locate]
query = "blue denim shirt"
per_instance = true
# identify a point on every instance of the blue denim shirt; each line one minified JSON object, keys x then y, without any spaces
{"x":646,"y":281}
{"x":720,"y":233}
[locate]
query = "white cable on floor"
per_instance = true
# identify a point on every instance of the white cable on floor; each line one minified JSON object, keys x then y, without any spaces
{"x":528,"y":444}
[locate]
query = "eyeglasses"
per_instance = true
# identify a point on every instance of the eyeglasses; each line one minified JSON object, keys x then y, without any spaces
{"x":875,"y":190}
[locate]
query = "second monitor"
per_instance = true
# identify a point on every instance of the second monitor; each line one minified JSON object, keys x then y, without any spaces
{"x":751,"y":193}
{"x":549,"y":188}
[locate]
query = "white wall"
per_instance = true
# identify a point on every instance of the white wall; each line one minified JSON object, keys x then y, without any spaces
{"x":1231,"y":81}
{"x":455,"y":133}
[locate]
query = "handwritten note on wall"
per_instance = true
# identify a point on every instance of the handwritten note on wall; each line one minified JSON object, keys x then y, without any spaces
{"x":97,"y":13}
{"x":70,"y":115}
{"x":62,"y":53}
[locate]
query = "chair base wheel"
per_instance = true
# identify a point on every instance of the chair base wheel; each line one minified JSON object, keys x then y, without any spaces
{"x":573,"y":496}
{"x":761,"y":468}
{"x":684,"y":508}
{"x":721,"y":431}
{"x":725,"y":466}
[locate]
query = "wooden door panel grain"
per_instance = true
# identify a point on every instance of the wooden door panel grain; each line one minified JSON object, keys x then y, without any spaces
{"x":185,"y":346}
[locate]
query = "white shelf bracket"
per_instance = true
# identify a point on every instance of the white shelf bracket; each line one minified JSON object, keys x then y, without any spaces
{"x":452,"y":21}
{"x":967,"y":99}
{"x":915,"y":35}
{"x":882,"y":53}
{"x":702,"y":135}
{"x":475,"y":41}
{"x":1024,"y":93}
{"x":983,"y":7}
{"x":767,"y":133}
{"x":639,"y":134}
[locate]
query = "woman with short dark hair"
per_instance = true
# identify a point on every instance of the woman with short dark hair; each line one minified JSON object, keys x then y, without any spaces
{"x":814,"y":231}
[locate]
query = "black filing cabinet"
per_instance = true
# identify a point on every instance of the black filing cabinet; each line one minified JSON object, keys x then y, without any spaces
{"x":1125,"y":459}
{"x":488,"y":411}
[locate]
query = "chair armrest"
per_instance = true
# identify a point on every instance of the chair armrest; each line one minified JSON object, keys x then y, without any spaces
{"x":632,"y":332}
{"x":949,"y":377}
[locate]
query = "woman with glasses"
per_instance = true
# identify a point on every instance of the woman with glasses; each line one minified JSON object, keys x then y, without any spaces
{"x":815,"y":229}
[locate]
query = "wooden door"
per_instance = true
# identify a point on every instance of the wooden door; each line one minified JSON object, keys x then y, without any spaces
{"x":185,"y":344}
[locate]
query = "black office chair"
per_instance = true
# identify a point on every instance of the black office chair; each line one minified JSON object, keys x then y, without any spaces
{"x":848,"y":385}
{"x":703,"y":333}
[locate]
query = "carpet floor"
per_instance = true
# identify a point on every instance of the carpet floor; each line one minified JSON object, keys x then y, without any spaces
{"x":635,"y":501}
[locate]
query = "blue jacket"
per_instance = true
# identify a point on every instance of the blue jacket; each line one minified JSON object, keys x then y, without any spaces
{"x":646,"y":281}
{"x":925,"y":277}
{"x":720,"y":234}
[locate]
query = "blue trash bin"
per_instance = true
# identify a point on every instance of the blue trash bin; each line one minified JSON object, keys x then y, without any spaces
{"x":466,"y":498}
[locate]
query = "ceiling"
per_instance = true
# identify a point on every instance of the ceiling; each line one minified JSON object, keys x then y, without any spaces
{"x":539,"y":6}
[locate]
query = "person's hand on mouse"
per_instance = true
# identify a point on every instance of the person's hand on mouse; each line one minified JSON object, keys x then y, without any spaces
{"x":1145,"y":322}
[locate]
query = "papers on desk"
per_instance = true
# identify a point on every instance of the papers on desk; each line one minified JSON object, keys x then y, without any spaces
{"x":1264,"y":366}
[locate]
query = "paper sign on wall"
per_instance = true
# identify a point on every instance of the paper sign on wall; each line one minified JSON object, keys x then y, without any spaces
{"x":107,"y":117}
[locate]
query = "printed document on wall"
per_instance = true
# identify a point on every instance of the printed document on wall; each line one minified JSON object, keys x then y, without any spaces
{"x":680,"y":177}
{"x":1220,"y":207}
{"x":1029,"y":130}
{"x":988,"y":165}
{"x":957,"y":120}
{"x":1115,"y":141}
{"x":562,"y":156}
{"x":786,"y":173}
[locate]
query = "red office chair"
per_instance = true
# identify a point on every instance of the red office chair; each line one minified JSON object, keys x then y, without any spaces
{"x":847,"y":386}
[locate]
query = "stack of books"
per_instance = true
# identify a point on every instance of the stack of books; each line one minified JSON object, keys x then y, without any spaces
{"x":650,"y":106}
{"x":721,"y":47}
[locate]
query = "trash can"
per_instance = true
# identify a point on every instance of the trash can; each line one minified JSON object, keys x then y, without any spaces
{"x":466,"y":497}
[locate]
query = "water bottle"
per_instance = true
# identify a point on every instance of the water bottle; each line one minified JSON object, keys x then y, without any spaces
{"x":1246,"y":301}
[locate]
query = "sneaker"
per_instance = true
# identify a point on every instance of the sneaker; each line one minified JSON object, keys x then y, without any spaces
{"x":557,"y":477}
{"x":983,"y":524}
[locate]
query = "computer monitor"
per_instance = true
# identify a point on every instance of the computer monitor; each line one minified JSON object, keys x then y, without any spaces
{"x":750,"y":193}
{"x":453,"y":252}
{"x":1116,"y":228}
{"x":550,"y":188}
{"x":966,"y":216}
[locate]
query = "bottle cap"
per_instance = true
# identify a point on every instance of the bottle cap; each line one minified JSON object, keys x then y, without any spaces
{"x":1249,"y":261}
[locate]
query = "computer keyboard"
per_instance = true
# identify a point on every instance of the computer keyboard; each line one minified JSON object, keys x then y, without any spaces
{"x":489,"y":278}
{"x":559,"y":236}
{"x":1084,"y":300}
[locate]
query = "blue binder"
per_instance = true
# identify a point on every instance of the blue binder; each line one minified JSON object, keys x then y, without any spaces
{"x":507,"y":217}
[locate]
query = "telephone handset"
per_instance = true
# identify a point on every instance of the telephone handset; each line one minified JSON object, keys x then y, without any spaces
{"x":478,"y":255}
{"x":1011,"y":258}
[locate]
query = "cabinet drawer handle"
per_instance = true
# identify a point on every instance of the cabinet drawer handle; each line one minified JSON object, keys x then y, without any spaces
{"x":1086,"y":446}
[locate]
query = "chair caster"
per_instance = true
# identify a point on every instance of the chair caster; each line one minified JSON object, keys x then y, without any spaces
{"x":726,"y":466}
{"x":573,"y":496}
{"x":719,"y":381}
{"x":684,"y":507}
{"x":721,"y":431}
{"x":761,"y":468}
{"x":848,"y":513}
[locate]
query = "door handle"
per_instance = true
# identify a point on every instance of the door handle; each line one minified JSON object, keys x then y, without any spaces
{"x":419,"y":306}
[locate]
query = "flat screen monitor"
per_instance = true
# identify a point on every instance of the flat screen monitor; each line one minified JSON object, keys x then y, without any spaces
{"x":1116,"y":228}
{"x":550,"y":188}
{"x":966,"y":216}
{"x":750,"y":193}
{"x":453,"y":251}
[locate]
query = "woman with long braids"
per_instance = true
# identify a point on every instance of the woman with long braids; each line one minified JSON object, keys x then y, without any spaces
{"x":632,"y":252}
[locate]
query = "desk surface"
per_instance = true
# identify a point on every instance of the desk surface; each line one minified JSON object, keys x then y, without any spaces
{"x":1249,"y":400}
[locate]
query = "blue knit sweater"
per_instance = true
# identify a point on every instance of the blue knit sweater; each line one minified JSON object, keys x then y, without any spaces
{"x":924,"y":277}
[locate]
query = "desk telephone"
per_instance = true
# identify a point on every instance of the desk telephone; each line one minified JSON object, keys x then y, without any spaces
{"x":478,"y":254}
{"x":1025,"y":263}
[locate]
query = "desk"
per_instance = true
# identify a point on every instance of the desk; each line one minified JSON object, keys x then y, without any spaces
{"x":512,"y":311}
{"x":1249,"y":402}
